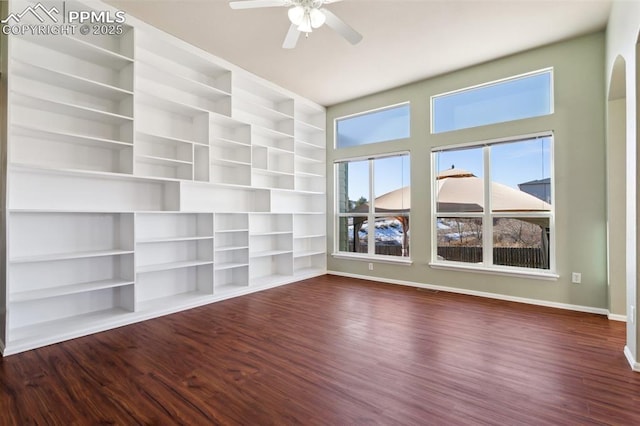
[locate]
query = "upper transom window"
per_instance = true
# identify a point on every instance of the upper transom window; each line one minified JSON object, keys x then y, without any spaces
{"x":380,"y":125}
{"x":515,"y":98}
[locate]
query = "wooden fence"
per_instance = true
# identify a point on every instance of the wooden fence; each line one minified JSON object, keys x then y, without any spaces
{"x":511,"y":256}
{"x":387,"y":250}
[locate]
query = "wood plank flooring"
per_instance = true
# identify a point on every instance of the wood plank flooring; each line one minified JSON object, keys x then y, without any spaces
{"x":333,"y":350}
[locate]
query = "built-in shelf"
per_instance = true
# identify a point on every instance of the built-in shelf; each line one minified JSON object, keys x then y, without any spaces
{"x":166,"y":139}
{"x":145,"y":176}
{"x":306,"y":174}
{"x":170,"y":239}
{"x":270,"y":280}
{"x":170,"y":105}
{"x":309,"y":126}
{"x":183,"y":83}
{"x":230,"y":141}
{"x":230,"y":288}
{"x":46,"y":332}
{"x":308,"y":144}
{"x":309,"y":159}
{"x":70,"y":81}
{"x":264,"y":111}
{"x":79,"y":173}
{"x":223,"y":162}
{"x":82,"y":50}
{"x":304,"y":237}
{"x":79,"y":139}
{"x":271,"y":133}
{"x":172,"y":265}
{"x":231,"y":248}
{"x":307,"y":253}
{"x":266,"y":234}
{"x":24,"y":296}
{"x":309,"y":271}
{"x":269,"y":253}
{"x":174,"y":302}
{"x":231,"y":265}
{"x":271,"y":172}
{"x":161,"y":160}
{"x":51,"y":105}
{"x":68,"y":256}
{"x":310,"y":116}
{"x":181,"y":62}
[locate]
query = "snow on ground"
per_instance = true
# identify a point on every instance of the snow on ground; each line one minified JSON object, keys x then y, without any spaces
{"x":388,"y":232}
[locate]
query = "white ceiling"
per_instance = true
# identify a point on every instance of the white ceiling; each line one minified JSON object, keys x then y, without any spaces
{"x":404,"y":40}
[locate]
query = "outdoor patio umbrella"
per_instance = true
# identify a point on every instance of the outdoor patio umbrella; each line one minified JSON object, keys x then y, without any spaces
{"x":461,"y":191}
{"x":398,"y":202}
{"x":395,"y":203}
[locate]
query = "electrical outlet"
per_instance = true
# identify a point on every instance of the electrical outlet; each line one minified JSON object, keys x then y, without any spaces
{"x":576,"y":277}
{"x":371,"y":266}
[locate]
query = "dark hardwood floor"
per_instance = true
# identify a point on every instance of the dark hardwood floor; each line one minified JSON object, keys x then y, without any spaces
{"x":334,"y":351}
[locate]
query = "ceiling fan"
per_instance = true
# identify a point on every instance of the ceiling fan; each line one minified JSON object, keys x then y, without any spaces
{"x":305,"y":15}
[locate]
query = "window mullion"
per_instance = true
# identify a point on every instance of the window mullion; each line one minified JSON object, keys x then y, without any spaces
{"x":487,"y":220}
{"x":371,"y":231}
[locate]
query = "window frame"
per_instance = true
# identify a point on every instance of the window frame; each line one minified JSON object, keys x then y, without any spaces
{"x":487,"y":215}
{"x":367,"y":112}
{"x":370,"y":215}
{"x":549,"y":70}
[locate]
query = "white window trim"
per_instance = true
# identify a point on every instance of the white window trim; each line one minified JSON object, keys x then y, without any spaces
{"x":487,"y":215}
{"x":370,"y":215}
{"x":504,"y":270}
{"x":377,"y":258}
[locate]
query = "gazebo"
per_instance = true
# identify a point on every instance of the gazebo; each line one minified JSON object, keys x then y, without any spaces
{"x":457,"y":191}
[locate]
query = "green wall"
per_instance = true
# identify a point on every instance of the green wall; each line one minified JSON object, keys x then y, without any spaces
{"x":579,"y":127}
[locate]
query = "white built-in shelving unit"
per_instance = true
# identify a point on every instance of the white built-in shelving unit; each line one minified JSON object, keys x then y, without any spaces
{"x":145,"y":177}
{"x":174,"y":258}
{"x":231,"y":251}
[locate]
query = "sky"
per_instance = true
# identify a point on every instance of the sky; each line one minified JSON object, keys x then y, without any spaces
{"x":529,"y":96}
{"x":376,"y":126}
{"x":511,"y":163}
{"x":390,"y":174}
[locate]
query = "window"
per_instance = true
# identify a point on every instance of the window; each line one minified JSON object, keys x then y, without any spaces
{"x":374,"y":192}
{"x":375,"y":126}
{"x":494,"y":204}
{"x":515,"y":98}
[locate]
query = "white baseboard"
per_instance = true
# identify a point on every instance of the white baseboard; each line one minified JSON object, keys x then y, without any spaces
{"x":578,"y":308}
{"x":617,"y":317}
{"x":632,"y":362}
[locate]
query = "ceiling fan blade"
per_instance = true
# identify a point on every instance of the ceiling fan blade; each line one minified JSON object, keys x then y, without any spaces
{"x":252,"y":4}
{"x":291,"y":39}
{"x":341,"y":28}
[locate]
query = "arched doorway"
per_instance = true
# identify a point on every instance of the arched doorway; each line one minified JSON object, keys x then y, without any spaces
{"x":616,"y":189}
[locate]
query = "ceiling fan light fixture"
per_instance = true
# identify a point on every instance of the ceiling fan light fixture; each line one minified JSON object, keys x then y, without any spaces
{"x":305,"y":16}
{"x":305,"y":26}
{"x":296,"y":14}
{"x":317,"y":18}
